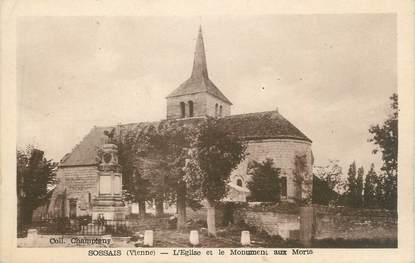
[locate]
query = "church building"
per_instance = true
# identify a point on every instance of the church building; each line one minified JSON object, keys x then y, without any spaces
{"x":267,"y":134}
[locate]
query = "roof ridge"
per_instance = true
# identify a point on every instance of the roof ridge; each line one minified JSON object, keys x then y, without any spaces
{"x":252,"y":113}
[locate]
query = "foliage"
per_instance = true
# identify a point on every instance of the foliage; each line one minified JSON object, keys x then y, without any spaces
{"x":369,"y":197}
{"x":359,"y":187}
{"x":351,"y":193}
{"x":385,"y":137}
{"x":213,"y":156}
{"x":136,"y":188}
{"x":165,"y":157}
{"x":332,"y":174}
{"x":265,"y":185}
{"x":35,"y":178}
{"x":154,"y":156}
{"x":390,"y":192}
{"x":354,"y":193}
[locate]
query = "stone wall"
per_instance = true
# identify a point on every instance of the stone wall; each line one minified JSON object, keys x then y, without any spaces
{"x":211,"y":101}
{"x":283,"y":152}
{"x":354,"y":224}
{"x":203,"y":104}
{"x":329,"y":222}
{"x":174,"y":109}
{"x":286,"y":225}
{"x":80,"y":183}
{"x":151,"y":223}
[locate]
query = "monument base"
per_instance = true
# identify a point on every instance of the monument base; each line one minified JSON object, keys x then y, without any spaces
{"x":110,"y":207}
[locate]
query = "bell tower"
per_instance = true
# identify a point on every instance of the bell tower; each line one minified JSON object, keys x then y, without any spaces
{"x":198,"y":96}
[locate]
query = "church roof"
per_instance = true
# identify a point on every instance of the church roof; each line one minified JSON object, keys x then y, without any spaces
{"x":199,"y":80}
{"x":251,"y":126}
{"x":262,"y":125}
{"x":86,"y":151}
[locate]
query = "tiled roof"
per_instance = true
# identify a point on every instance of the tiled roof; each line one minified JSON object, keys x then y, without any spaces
{"x":86,"y":151}
{"x":260,"y":125}
{"x":198,"y":85}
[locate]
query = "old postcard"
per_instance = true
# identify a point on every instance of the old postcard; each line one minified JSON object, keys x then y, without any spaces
{"x":187,"y":131}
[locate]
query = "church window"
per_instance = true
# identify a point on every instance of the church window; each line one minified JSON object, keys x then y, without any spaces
{"x":183,"y":109}
{"x":283,"y":186}
{"x":190,"y":108}
{"x":216,"y":110}
{"x":239,"y":182}
{"x":220,"y":111}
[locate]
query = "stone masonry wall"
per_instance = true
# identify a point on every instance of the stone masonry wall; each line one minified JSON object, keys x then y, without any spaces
{"x":174,"y":110}
{"x":354,"y":224}
{"x":283,"y":152}
{"x":203,"y":104}
{"x":329,"y":223}
{"x":210,"y":106}
{"x":285,"y":225}
{"x":80,"y":183}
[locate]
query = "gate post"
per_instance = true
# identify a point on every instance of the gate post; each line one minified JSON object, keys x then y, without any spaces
{"x":306,"y":225}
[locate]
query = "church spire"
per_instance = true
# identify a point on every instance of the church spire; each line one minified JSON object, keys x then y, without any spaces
{"x":199,"y":62}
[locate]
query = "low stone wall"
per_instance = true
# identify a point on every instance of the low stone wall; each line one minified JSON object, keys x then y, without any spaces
{"x":286,"y":225}
{"x":148,"y":223}
{"x":354,"y":224}
{"x":325,"y":223}
{"x":201,"y":214}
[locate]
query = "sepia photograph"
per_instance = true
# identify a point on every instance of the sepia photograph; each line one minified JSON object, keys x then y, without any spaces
{"x":207,"y":131}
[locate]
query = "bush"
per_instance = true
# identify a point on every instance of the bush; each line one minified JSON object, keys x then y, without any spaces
{"x":264,"y":186}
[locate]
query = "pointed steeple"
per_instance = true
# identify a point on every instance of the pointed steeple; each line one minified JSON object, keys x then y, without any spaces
{"x":199,"y":81}
{"x":199,"y":62}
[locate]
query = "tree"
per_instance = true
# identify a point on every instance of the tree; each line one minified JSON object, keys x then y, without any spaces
{"x":214,"y":155}
{"x":136,"y":187}
{"x":332,"y":173}
{"x":385,"y":137}
{"x":379,"y":190}
{"x":369,"y":196}
{"x":359,"y":187}
{"x":265,"y":185}
{"x":35,"y":179}
{"x":167,"y":148}
{"x":351,"y":193}
{"x":332,"y":182}
{"x":158,"y":153}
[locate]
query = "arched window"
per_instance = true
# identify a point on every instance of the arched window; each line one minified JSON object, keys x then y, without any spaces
{"x":190,"y":108}
{"x":239,"y":182}
{"x":216,"y":110}
{"x":220,"y":111}
{"x":183,"y":109}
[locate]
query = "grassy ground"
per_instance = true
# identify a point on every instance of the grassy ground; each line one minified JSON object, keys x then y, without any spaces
{"x":227,"y":237}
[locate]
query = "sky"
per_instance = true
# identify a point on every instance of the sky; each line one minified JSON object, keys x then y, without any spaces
{"x":329,"y":75}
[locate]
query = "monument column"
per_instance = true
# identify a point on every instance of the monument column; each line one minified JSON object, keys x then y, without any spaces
{"x":109,"y":202}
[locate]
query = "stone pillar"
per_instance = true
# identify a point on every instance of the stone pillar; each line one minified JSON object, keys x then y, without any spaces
{"x":306,"y":225}
{"x":109,"y":202}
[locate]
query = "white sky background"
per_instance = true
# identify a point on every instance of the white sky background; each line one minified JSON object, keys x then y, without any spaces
{"x":330,"y":75}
